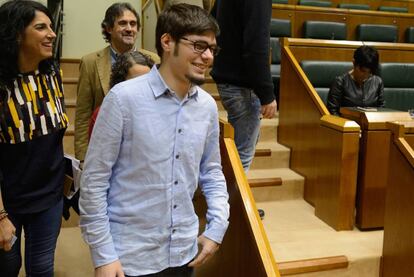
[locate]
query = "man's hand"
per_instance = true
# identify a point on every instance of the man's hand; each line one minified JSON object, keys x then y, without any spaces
{"x":7,"y":231}
{"x":208,"y":248}
{"x":113,"y":269}
{"x":269,"y":110}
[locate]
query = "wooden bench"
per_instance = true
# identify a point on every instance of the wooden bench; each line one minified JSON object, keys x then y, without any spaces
{"x":325,"y":149}
{"x":352,"y":18}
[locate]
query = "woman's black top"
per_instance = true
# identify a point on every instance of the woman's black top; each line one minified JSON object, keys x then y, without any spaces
{"x":32,"y":125}
{"x":346,"y":93}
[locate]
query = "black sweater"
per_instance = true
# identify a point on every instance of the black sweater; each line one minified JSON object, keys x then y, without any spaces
{"x":244,"y":42}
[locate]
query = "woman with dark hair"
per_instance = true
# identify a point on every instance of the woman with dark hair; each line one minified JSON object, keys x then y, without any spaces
{"x":32,"y":125}
{"x":360,"y":87}
{"x":126,"y":66}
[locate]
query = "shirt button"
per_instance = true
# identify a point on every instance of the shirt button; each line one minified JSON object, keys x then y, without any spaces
{"x":177,"y":156}
{"x":179,"y":131}
{"x":173,"y":231}
{"x":176,"y":183}
{"x":175,"y":206}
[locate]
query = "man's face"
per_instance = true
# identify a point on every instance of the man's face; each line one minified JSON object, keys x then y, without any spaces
{"x":188,"y":62}
{"x":124,"y":32}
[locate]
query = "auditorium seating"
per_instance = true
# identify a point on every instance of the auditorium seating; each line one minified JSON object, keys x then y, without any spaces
{"x":322,"y":74}
{"x":353,"y":6}
{"x":393,"y":9}
{"x":397,"y":77}
{"x":315,"y":3}
{"x":409,"y":35}
{"x":324,"y":30}
{"x":398,"y":85}
{"x":279,"y":1}
{"x":377,"y":32}
{"x":278,"y":28}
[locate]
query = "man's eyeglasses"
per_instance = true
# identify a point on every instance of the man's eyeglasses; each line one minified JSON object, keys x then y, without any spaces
{"x":201,"y":46}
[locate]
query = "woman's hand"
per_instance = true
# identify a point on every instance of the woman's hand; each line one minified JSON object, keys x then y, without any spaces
{"x":7,"y":231}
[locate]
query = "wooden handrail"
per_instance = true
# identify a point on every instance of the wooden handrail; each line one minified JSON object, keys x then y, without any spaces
{"x":245,"y":250}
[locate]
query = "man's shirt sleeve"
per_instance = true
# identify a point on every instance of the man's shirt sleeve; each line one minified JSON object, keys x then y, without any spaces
{"x":213,"y":184}
{"x":101,"y":156}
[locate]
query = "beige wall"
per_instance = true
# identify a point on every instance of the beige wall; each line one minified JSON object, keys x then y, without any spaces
{"x":82,"y":29}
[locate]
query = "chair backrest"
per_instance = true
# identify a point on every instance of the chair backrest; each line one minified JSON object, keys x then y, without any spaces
{"x":352,"y":6}
{"x":280,"y":28}
{"x":315,"y":3}
{"x":324,"y":30}
{"x":409,"y":35}
{"x":323,"y":73}
{"x":393,"y":9}
{"x":275,"y":50}
{"x":398,"y":85}
{"x":279,"y":1}
{"x":377,"y":32}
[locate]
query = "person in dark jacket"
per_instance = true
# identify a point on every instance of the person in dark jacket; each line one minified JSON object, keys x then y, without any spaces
{"x":242,"y":69}
{"x":360,"y":87}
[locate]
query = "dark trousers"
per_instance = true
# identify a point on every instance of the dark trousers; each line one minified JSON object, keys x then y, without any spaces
{"x":181,"y":271}
{"x":41,"y":231}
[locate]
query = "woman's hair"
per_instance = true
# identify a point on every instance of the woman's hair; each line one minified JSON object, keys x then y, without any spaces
{"x":15,"y":16}
{"x":368,"y":57}
{"x":124,"y":62}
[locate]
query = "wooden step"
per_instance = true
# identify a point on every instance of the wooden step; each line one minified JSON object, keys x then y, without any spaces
{"x":270,"y":155}
{"x":70,"y":88}
{"x":265,"y":182}
{"x":263,"y":153}
{"x":70,"y":67}
{"x":291,"y":184}
{"x":312,"y":265}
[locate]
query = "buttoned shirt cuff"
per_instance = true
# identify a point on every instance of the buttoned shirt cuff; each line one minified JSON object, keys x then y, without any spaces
{"x":104,"y":255}
{"x":215,"y":232}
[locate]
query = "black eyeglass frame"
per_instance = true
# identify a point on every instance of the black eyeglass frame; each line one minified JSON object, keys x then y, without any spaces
{"x":201,"y":46}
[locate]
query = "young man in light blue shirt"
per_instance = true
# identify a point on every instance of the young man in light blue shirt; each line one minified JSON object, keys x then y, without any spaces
{"x":155,"y":139}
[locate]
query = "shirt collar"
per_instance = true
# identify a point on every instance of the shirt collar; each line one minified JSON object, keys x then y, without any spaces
{"x":115,"y":54}
{"x":159,"y":87}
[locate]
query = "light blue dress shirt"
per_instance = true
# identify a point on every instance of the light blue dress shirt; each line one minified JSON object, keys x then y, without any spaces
{"x":148,"y":152}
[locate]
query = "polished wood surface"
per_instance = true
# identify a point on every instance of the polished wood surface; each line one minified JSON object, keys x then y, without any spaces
{"x":245,"y":250}
{"x":352,"y":18}
{"x":323,"y":151}
{"x":328,"y":50}
{"x":373,"y":163}
{"x":313,"y":265}
{"x":398,"y":249}
{"x":374,"y":4}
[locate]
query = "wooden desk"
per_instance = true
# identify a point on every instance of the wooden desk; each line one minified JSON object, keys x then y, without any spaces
{"x":373,"y":162}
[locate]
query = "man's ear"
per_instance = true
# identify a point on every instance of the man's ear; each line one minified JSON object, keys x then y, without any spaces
{"x":167,"y":43}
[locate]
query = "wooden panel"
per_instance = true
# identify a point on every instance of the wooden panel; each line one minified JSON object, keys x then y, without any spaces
{"x":315,"y":151}
{"x":352,"y":18}
{"x":372,"y":179}
{"x":373,"y":163}
{"x":245,"y":250}
{"x":305,"y":49}
{"x":337,"y":176}
{"x":398,"y":249}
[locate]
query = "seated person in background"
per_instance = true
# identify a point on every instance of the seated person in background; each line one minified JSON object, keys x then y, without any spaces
{"x":359,"y":87}
{"x":126,"y":66}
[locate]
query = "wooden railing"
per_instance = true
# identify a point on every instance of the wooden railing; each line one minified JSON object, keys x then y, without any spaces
{"x":398,"y":250}
{"x":324,"y":148}
{"x":299,"y":14}
{"x":245,"y":250}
